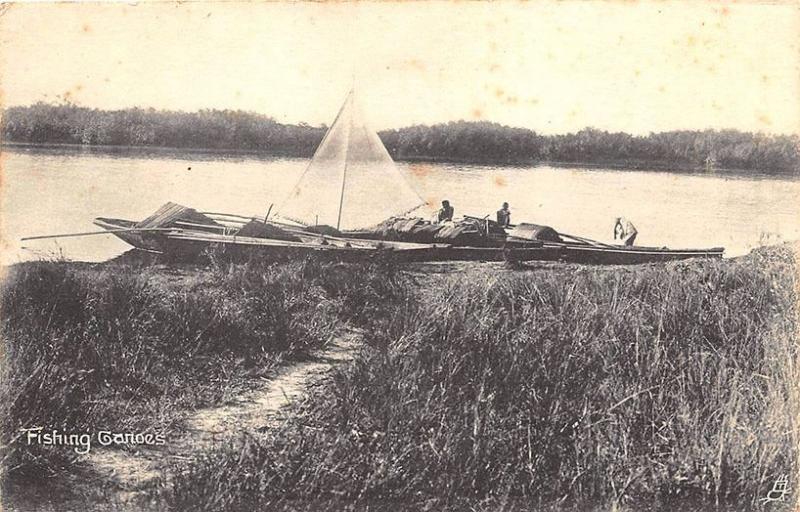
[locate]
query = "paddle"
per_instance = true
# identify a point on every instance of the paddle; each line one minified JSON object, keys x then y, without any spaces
{"x":587,"y":240}
{"x":89,"y":233}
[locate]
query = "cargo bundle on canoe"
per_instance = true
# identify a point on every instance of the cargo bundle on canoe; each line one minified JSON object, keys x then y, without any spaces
{"x":461,"y":233}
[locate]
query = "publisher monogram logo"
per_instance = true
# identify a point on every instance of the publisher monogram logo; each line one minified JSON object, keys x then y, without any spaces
{"x":780,"y":489}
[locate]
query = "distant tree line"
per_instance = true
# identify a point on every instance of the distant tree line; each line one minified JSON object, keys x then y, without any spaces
{"x":209,"y":129}
{"x":462,"y":141}
{"x":490,"y":142}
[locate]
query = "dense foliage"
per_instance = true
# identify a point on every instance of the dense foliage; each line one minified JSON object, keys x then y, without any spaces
{"x":456,"y":141}
{"x":639,"y":388}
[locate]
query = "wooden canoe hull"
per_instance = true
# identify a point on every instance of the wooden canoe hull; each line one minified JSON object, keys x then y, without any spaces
{"x":625,"y":255}
{"x":235,"y":251}
{"x":187,"y":245}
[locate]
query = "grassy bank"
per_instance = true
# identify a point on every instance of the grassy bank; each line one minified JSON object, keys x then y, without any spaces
{"x":564,"y":387}
{"x":130,"y":348}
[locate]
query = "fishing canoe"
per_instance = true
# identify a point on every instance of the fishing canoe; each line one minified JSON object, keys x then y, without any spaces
{"x":185,"y":241}
{"x":179,"y":239}
{"x":184,"y":234}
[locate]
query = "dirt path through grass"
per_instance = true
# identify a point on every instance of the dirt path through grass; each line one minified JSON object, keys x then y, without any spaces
{"x":251,"y":412}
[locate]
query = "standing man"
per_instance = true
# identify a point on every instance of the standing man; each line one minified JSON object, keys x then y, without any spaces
{"x":446,"y":212}
{"x":625,"y":230}
{"x":504,"y":216}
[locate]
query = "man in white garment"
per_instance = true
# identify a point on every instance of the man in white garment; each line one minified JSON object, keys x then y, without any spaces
{"x":624,"y":230}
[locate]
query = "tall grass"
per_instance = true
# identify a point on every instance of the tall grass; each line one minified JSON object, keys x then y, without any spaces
{"x":130,"y":348}
{"x":639,"y":387}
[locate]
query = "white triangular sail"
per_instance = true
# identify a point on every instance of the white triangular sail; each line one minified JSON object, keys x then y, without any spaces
{"x":351,"y":182}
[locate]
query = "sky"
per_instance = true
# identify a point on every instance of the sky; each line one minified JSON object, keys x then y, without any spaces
{"x":554,"y":67}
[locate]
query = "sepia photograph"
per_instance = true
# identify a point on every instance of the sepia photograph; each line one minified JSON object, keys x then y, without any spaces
{"x":400,"y":256}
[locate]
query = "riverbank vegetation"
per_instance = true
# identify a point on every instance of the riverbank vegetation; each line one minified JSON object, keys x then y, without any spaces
{"x":131,"y":348}
{"x":649,"y":386}
{"x":462,"y":141}
{"x":477,"y":387}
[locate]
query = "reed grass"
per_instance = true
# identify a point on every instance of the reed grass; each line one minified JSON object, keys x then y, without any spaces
{"x":130,"y":347}
{"x":646,"y":387}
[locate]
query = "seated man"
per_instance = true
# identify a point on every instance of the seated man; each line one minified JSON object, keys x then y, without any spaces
{"x":504,"y":216}
{"x":625,"y":230}
{"x":446,"y":212}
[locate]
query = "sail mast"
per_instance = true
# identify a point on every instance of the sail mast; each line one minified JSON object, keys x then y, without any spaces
{"x":346,"y":153}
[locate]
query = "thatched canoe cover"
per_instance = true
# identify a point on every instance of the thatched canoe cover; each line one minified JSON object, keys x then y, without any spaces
{"x":172,"y":212}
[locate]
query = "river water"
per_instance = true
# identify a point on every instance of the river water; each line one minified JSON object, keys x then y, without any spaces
{"x":52,"y":191}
